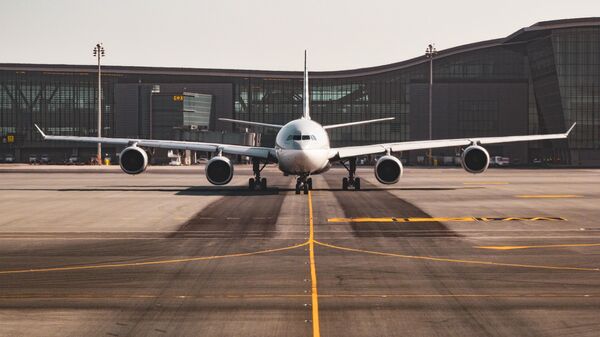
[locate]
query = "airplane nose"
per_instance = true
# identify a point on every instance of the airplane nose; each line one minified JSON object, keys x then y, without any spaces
{"x":300,"y":145}
{"x":303,"y":145}
{"x":303,"y":161}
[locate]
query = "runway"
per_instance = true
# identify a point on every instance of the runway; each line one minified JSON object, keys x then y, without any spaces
{"x":90,"y":251}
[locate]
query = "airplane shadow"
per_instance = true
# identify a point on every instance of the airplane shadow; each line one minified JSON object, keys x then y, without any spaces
{"x":371,"y":189}
{"x":222,"y":190}
{"x":200,"y":191}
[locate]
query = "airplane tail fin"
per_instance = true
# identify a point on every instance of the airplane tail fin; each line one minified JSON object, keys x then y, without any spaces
{"x":305,"y":94}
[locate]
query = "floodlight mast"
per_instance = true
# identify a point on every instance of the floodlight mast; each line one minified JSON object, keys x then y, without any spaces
{"x":99,"y":53}
{"x":430,"y":53}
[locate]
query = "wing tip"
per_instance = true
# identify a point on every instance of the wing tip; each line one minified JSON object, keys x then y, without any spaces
{"x":40,"y":131}
{"x":570,"y":129}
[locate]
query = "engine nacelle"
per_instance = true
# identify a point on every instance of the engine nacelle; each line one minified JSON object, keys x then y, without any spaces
{"x":133,"y":160}
{"x":388,"y":170}
{"x":475,"y":159}
{"x":219,"y":170}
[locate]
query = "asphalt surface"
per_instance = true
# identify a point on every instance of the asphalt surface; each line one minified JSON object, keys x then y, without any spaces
{"x":91,"y":252}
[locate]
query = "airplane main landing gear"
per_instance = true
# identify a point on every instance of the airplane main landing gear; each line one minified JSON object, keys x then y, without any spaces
{"x":303,"y":183}
{"x":257,"y":182}
{"x":351,"y":180}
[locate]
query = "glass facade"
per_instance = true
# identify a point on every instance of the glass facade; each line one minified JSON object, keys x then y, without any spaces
{"x":537,"y":80}
{"x":63,"y":103}
{"x":196,"y":110}
{"x":577,"y":58}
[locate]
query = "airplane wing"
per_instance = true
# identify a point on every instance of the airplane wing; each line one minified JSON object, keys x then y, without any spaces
{"x":252,"y":151}
{"x":353,"y":151}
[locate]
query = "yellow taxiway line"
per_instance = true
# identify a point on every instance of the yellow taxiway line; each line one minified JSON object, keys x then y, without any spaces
{"x":149,"y":263}
{"x":474,"y":262}
{"x":486,"y":183}
{"x":439,"y":219}
{"x":547,"y":196}
{"x":313,"y":270}
{"x":539,"y":246}
{"x":272,"y":296}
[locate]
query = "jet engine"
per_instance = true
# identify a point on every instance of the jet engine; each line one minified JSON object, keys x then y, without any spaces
{"x":388,"y":170}
{"x":133,"y":160}
{"x":219,"y":170}
{"x":475,"y":159}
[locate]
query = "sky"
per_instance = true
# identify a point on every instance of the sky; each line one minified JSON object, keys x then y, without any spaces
{"x":260,"y":34}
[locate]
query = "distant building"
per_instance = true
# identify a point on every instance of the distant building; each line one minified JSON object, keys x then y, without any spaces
{"x":539,"y":79}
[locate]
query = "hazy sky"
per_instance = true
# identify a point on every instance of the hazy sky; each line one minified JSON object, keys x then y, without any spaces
{"x":258,"y":34}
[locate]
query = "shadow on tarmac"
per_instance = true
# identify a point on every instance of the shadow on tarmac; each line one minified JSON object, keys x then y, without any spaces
{"x":224,"y":190}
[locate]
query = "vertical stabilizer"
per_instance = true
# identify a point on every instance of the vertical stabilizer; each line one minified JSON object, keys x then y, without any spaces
{"x":305,"y":94}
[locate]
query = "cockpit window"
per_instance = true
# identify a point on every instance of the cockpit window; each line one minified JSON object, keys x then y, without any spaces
{"x":301,"y":137}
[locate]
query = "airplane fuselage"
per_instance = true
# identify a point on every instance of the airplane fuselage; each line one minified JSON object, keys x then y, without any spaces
{"x":302,"y":148}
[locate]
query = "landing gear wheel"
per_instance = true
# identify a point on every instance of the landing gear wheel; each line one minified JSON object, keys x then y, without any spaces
{"x":350,"y":180}
{"x":257,"y":181}
{"x":305,"y":188}
{"x":298,"y":183}
{"x":263,"y":183}
{"x":309,"y":182}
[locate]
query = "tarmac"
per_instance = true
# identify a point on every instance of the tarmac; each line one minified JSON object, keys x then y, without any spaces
{"x":90,"y":251}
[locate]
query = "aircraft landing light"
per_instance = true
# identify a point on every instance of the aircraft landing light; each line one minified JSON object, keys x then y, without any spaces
{"x":458,"y":219}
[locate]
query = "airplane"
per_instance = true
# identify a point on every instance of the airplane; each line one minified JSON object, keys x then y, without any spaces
{"x":302,"y":149}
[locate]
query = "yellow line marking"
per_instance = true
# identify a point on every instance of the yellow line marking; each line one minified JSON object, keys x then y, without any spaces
{"x":313,"y":270}
{"x":486,"y":183}
{"x":539,"y":246}
{"x":269,"y":296}
{"x":149,"y":263}
{"x":439,"y":259}
{"x":456,"y":219}
{"x":360,"y":220}
{"x":456,"y":295}
{"x":547,"y":196}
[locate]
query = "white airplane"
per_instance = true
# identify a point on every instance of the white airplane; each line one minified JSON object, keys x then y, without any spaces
{"x":302,"y":149}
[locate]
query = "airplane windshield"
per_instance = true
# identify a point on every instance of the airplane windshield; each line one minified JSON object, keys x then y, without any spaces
{"x":301,"y":137}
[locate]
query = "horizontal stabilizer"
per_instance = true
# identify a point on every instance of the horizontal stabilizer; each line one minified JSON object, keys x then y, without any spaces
{"x":357,"y":123}
{"x":277,"y":126}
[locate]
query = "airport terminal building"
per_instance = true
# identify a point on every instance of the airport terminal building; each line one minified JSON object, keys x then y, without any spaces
{"x":539,"y":79}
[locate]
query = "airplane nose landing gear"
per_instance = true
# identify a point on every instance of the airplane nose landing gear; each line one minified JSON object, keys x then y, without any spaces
{"x":257,"y":182}
{"x":351,"y":181}
{"x":303,"y":183}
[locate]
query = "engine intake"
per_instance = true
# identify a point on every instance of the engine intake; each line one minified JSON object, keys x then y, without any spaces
{"x":219,"y":170}
{"x":475,"y":159}
{"x":388,"y":170}
{"x":133,"y":160}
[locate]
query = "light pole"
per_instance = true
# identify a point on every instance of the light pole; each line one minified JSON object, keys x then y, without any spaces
{"x":99,"y":53}
{"x":430,"y":53}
